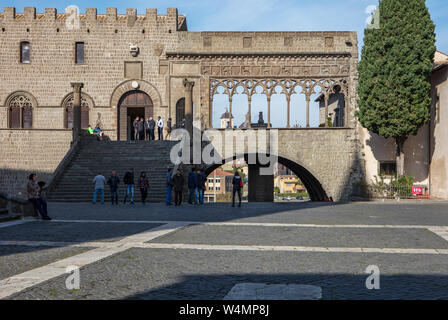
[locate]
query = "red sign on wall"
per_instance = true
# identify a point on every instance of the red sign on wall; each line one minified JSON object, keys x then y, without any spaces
{"x":417,"y":191}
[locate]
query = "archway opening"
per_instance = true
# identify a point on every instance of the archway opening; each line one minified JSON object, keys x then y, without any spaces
{"x":288,"y":182}
{"x":132,"y":104}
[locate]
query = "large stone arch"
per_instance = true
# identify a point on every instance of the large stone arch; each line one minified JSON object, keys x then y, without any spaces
{"x":312,"y":184}
{"x":144,"y":86}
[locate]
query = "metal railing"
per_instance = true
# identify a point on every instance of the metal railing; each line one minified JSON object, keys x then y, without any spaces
{"x":399,"y":192}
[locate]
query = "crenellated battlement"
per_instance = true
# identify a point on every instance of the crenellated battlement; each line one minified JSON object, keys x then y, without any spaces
{"x":131,"y":18}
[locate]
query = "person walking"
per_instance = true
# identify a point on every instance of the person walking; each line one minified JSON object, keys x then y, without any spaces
{"x":169,"y":128}
{"x":135,"y":126}
{"x":160,"y":128}
{"x":129,"y":182}
{"x":183,"y":123}
{"x":201,"y":179}
{"x":113,"y":183}
{"x":141,"y":129}
{"x":99,"y":182}
{"x":192,"y":185}
{"x":169,"y":186}
{"x":178,"y":185}
{"x":152,"y":127}
{"x":143,"y":184}
{"x":32,"y":190}
{"x":237,"y":185}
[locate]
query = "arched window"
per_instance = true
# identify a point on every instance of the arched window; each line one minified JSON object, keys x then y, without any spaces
{"x":20,"y":112}
{"x":68,"y":107}
{"x":25,"y":52}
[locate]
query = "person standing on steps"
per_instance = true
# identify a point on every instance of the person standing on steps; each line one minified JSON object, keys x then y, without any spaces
{"x":147,"y":132}
{"x":169,"y":128}
{"x":32,"y":190}
{"x":99,"y":182}
{"x":178,"y":185}
{"x":129,"y":182}
{"x":143,"y":184}
{"x":113,"y":183}
{"x":237,"y":186}
{"x":152,"y":127}
{"x":192,"y":185}
{"x":141,"y":129}
{"x":169,"y":186}
{"x":160,"y":128}
{"x":135,"y":126}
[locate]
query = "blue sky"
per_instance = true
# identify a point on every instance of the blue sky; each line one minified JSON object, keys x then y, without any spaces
{"x":257,"y":15}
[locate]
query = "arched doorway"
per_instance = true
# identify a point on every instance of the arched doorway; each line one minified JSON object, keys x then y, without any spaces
{"x":313,"y":186}
{"x":132,"y":104}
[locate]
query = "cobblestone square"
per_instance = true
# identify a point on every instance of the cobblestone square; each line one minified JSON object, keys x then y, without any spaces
{"x":199,"y":253}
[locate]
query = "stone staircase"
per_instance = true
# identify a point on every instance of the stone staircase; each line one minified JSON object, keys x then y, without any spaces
{"x":75,"y":183}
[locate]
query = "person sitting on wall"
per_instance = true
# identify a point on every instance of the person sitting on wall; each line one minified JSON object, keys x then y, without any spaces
{"x":90,"y":130}
{"x":32,"y":190}
{"x":99,"y":133}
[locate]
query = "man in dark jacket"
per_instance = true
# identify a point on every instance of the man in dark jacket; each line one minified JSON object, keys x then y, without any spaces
{"x":200,"y":182}
{"x":113,"y":183}
{"x":129,"y":182}
{"x":237,"y":184}
{"x":135,"y":125}
{"x":152,"y":127}
{"x":178,"y":185}
{"x":192,"y":185}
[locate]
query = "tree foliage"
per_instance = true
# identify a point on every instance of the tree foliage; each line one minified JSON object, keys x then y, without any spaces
{"x":395,"y":69}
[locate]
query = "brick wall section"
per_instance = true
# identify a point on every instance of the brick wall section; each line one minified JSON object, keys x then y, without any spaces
{"x":30,"y":151}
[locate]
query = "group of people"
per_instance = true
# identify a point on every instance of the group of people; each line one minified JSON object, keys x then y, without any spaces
{"x":114,"y":182}
{"x":145,"y":129}
{"x":174,"y":183}
{"x":196,"y":187}
{"x":98,"y":132}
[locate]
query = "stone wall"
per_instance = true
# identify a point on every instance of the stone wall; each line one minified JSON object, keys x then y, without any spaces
{"x":439,"y":134}
{"x":30,"y":151}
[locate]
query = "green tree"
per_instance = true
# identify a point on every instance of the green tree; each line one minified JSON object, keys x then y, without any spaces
{"x":394,"y":72}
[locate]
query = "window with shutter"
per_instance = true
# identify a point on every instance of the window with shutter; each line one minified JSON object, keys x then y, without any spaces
{"x":69,"y":115}
{"x":20,"y":112}
{"x":84,"y":117}
{"x":14,"y":118}
{"x":27,"y":118}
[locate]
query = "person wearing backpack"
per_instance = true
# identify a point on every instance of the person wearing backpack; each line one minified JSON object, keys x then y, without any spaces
{"x":237,"y":186}
{"x":129,"y":182}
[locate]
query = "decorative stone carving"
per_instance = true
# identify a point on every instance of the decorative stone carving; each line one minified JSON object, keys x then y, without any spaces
{"x":158,"y":49}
